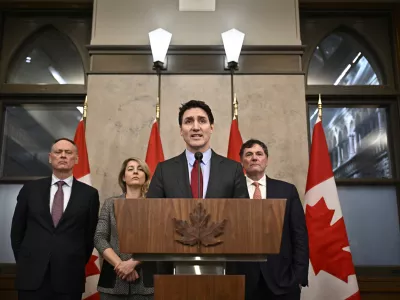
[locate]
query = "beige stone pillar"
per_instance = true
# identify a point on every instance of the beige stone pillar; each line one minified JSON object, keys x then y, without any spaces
{"x":122,"y":86}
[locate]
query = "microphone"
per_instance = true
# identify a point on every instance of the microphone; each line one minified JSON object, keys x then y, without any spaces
{"x":199,"y":156}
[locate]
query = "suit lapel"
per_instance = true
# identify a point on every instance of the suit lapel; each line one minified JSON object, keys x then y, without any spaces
{"x":182,"y":175}
{"x":213,"y":180}
{"x":45,"y":201}
{"x":269,"y":188}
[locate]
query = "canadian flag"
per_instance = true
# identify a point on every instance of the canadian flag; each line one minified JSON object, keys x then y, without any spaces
{"x":82,"y":173}
{"x":331,"y":273}
{"x":155,"y":152}
{"x":235,"y":141}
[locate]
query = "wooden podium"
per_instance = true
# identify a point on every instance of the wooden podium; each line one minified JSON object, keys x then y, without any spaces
{"x":199,"y":235}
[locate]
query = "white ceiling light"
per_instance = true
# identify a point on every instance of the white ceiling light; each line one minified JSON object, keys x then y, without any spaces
{"x":233,"y":41}
{"x":159,"y":42}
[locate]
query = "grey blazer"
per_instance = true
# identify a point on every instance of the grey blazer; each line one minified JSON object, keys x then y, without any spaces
{"x":106,"y":236}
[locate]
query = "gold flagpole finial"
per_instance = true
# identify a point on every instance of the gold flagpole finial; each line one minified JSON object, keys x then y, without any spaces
{"x":85,"y":106}
{"x":235,"y":107}
{"x":320,"y":107}
{"x":158,"y":110}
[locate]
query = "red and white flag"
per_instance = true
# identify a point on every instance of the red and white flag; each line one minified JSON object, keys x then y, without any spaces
{"x":235,"y":141}
{"x":82,"y":173}
{"x":331,"y":273}
{"x":155,"y":152}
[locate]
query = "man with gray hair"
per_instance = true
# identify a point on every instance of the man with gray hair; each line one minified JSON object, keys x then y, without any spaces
{"x":52,"y":230}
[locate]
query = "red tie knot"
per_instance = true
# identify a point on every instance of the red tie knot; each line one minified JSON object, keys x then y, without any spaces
{"x":256,"y":184}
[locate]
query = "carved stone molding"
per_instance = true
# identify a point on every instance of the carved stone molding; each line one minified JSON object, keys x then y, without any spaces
{"x":126,"y":59}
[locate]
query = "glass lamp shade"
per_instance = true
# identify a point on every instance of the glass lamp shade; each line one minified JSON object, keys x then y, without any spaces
{"x":159,"y":42}
{"x":233,"y":41}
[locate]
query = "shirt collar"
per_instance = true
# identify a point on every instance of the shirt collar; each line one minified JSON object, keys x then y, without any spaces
{"x":262,"y":181}
{"x":206,"y":157}
{"x":68,"y":181}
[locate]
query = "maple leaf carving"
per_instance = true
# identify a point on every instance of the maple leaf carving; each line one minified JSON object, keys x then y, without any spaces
{"x":197,"y":232}
{"x":327,"y":242}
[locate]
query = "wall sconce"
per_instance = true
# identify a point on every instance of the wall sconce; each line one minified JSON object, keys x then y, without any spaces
{"x":233,"y":41}
{"x":159,"y":43}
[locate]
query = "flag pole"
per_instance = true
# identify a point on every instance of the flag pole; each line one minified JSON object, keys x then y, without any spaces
{"x":320,"y":107}
{"x":158,"y":110}
{"x":233,"y":96}
{"x":85,"y":106}
{"x":158,"y":97}
{"x":235,"y":108}
{"x":154,"y":153}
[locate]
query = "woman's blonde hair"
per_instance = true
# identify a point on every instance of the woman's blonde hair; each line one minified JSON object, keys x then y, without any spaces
{"x":146,"y":171}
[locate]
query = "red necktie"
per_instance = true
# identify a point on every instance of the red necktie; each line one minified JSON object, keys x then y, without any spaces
{"x":194,"y":180}
{"x":257,"y":191}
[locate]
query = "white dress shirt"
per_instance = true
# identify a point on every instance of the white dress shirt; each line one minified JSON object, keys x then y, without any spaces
{"x":263,"y":187}
{"x":66,"y":189}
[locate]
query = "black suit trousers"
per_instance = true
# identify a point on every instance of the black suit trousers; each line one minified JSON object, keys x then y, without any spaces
{"x":46,"y":292}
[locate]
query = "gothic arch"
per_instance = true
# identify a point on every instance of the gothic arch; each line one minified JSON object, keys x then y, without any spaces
{"x":350,"y":36}
{"x":68,"y":56}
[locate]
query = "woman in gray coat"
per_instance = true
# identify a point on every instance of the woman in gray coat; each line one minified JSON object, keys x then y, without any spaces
{"x":121,"y":276}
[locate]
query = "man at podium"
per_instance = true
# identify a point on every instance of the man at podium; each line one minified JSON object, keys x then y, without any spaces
{"x":180,"y":176}
{"x":283,"y":275}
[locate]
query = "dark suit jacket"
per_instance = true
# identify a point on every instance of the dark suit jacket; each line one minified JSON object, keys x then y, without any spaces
{"x":38,"y":245}
{"x":286,"y":270}
{"x":171,"y":180}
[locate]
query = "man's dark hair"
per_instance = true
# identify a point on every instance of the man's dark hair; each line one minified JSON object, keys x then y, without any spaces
{"x":64,"y":139}
{"x":195,"y":104}
{"x":250,"y":143}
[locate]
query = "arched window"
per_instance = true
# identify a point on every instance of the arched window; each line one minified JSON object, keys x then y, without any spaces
{"x":48,"y":57}
{"x":42,"y":90}
{"x":349,"y":63}
{"x":340,"y":59}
